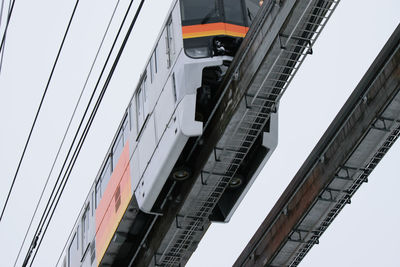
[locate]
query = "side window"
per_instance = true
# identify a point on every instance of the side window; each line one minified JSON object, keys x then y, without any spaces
{"x":105,"y":176}
{"x":130,"y":119}
{"x":73,"y":256}
{"x":155,"y":59}
{"x":77,"y":238}
{"x":151,"y":64}
{"x":170,"y":43}
{"x":118,"y":146}
{"x":92,"y":251}
{"x":93,"y":207}
{"x":125,"y":127}
{"x":174,"y":87}
{"x":139,"y":108}
{"x":140,"y":103}
{"x":98,"y":192}
{"x":85,"y":229}
{"x":120,"y":141}
{"x":132,"y":116}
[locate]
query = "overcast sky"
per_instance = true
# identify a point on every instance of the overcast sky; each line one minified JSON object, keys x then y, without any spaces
{"x":364,"y":234}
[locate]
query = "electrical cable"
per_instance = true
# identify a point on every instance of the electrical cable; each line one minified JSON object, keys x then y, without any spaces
{"x":71,"y":164}
{"x":41,"y":101}
{"x":89,"y":123}
{"x":1,"y":12}
{"x":3,"y":40}
{"x":2,"y":59}
{"x":67,"y":130}
{"x":51,"y":198}
{"x":10,"y":11}
{"x":1,"y":20}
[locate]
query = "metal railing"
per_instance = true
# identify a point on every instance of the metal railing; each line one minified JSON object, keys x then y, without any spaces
{"x":259,"y":103}
{"x":343,"y":197}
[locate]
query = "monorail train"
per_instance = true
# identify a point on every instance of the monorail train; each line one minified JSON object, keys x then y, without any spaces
{"x":173,"y":99}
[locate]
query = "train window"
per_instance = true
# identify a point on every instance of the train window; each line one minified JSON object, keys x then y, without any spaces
{"x":140,"y":103}
{"x":174,"y":87}
{"x":151,"y":69}
{"x":155,"y":59}
{"x":73,"y":257}
{"x":98,"y":192}
{"x":93,"y":207}
{"x":132,"y":115}
{"x":92,"y":250}
{"x":120,"y":141}
{"x":105,"y":176}
{"x":77,"y":237}
{"x":125,"y":128}
{"x":233,"y":10}
{"x":139,"y":111}
{"x":85,"y":230}
{"x":170,"y":43}
{"x":117,"y":148}
{"x":199,"y":12}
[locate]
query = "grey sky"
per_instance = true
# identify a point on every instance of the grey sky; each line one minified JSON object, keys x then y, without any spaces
{"x":364,"y":234}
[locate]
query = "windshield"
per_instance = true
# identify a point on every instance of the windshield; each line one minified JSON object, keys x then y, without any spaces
{"x":233,"y":11}
{"x":199,"y":11}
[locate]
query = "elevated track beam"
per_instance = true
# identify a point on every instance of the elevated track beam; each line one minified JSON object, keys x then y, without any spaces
{"x":358,"y":138}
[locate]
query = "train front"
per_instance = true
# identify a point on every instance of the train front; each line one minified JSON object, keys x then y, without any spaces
{"x":213,"y":27}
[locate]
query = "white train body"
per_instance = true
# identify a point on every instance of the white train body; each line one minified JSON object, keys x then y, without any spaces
{"x":157,"y":125}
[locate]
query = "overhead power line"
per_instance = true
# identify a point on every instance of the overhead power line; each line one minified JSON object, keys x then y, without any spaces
{"x":10,"y":8}
{"x":10,"y":11}
{"x":1,"y":12}
{"x":3,"y":39}
{"x":41,"y":101}
{"x":51,"y":207}
{"x":66,"y":131}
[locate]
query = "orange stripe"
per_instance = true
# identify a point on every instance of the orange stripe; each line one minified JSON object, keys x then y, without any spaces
{"x":212,"y":29}
{"x":107,"y":216}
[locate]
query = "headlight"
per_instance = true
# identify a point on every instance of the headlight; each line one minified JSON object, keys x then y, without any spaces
{"x":198,"y":52}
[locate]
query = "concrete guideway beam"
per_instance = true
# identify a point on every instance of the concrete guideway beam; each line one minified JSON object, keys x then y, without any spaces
{"x":355,"y":142}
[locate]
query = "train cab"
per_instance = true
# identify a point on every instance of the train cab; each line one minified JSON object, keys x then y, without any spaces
{"x":213,"y":27}
{"x":213,"y":30}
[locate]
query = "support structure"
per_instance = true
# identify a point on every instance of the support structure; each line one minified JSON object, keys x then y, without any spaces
{"x":355,"y":142}
{"x":280,"y":38}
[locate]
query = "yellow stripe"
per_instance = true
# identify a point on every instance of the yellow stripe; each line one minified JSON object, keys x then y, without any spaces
{"x":235,"y":34}
{"x":203,"y":34}
{"x":212,"y":33}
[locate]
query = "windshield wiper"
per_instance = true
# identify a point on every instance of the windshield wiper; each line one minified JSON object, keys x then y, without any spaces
{"x":249,"y":14}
